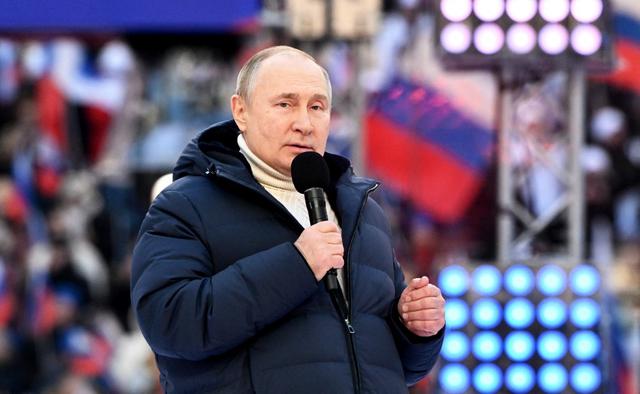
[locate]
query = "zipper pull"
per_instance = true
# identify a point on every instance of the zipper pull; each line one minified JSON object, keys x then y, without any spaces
{"x":350,"y":328}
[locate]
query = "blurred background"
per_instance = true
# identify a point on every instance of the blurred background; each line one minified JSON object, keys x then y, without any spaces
{"x":506,"y":134}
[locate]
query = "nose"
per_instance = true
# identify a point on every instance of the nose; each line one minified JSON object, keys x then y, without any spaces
{"x":302,"y":122}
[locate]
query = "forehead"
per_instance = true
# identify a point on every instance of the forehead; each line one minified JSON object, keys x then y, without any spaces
{"x":287,"y":72}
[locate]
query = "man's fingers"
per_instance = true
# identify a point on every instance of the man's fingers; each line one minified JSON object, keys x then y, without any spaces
{"x":423,"y":292}
{"x":327,"y":227}
{"x":417,"y":283}
{"x":423,"y":304}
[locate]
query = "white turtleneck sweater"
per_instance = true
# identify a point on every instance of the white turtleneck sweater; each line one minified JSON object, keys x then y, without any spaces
{"x":281,"y":187}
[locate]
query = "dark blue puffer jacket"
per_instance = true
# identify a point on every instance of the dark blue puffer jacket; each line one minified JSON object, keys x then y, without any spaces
{"x":229,"y":305}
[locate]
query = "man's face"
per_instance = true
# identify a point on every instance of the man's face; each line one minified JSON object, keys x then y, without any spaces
{"x":288,"y":110}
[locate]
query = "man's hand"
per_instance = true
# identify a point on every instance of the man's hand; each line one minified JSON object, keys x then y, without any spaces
{"x":321,"y":246}
{"x":421,"y":307}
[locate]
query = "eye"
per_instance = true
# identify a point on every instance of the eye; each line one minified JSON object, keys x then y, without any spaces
{"x":317,"y":107}
{"x":284,"y":105}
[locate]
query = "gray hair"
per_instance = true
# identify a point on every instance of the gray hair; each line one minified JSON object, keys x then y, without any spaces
{"x":246,"y":76}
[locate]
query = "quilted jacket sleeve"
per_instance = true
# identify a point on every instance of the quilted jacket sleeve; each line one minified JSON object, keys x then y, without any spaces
{"x":184,"y":308}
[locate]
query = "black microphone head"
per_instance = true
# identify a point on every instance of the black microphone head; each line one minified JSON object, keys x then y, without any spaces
{"x":309,"y":170}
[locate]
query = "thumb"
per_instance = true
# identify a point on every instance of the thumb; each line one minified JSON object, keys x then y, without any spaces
{"x":417,"y":283}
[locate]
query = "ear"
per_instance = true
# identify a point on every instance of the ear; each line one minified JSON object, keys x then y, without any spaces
{"x":239,"y":111}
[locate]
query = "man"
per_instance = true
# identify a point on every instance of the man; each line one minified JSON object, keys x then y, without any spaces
{"x":227,"y":273}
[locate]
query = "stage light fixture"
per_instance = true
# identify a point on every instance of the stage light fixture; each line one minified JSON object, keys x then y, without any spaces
{"x":488,"y":10}
{"x":586,"y":39}
{"x":486,"y":346}
{"x":552,"y":345}
{"x":519,"y":345}
{"x":584,"y":345}
{"x":454,"y":378}
{"x":552,"y":312}
{"x":453,"y":281}
{"x":487,"y":378}
{"x":455,"y":38}
{"x":486,"y":280}
{"x":553,"y":38}
{"x":456,"y":10}
{"x":586,"y":11}
{"x":455,"y":346}
{"x":519,"y":313}
{"x":519,"y":378}
{"x":551,"y":280}
{"x":584,"y":313}
{"x":584,"y":280}
{"x":552,"y":378}
{"x":456,"y":313}
{"x":585,"y":378}
{"x":554,"y":11}
{"x":521,"y":38}
{"x":519,"y":280}
{"x":522,"y":10}
{"x":486,"y":313}
{"x":488,"y":38}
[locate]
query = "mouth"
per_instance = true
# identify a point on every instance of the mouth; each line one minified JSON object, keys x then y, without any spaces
{"x":298,"y":147}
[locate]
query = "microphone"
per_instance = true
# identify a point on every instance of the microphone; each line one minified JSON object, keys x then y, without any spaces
{"x":310,"y":176}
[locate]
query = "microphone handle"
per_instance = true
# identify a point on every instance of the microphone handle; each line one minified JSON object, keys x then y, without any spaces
{"x":317,"y":208}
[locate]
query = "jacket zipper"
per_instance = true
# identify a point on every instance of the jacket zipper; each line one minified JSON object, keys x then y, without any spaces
{"x":350,"y":330}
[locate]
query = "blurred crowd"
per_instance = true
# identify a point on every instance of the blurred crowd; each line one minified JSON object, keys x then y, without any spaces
{"x":88,"y":124}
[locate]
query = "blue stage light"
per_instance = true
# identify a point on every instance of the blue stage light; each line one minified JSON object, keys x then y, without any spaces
{"x":585,"y":378}
{"x":487,"y":378}
{"x":552,"y":378}
{"x":585,"y":280}
{"x":519,"y":280}
{"x":584,"y":345}
{"x":519,"y":378}
{"x":455,"y":346}
{"x":456,"y":313}
{"x":519,"y":313}
{"x":486,"y":346}
{"x":453,"y":281}
{"x":552,"y":280}
{"x":584,"y":313}
{"x":486,"y":280}
{"x":552,"y":345}
{"x":486,"y":313}
{"x":519,"y":345}
{"x":454,"y":378}
{"x":552,"y":312}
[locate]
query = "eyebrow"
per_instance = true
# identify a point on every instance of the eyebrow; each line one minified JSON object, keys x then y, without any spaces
{"x":296,"y":96}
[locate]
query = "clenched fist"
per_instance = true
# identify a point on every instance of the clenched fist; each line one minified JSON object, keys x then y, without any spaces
{"x":321,"y":246}
{"x":421,"y":307}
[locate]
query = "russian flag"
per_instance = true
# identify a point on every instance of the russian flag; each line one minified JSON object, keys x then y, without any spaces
{"x":627,"y":52}
{"x":423,"y":147}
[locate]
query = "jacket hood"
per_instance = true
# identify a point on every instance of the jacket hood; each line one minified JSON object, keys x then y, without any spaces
{"x":216,"y":149}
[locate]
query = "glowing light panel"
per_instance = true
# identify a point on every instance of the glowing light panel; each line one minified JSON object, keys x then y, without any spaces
{"x":455,"y":38}
{"x":584,"y":280}
{"x":585,"y":378}
{"x":456,"y":313}
{"x":488,"y":10}
{"x":454,"y":378}
{"x":552,"y":280}
{"x":519,"y":378}
{"x":552,"y":378}
{"x":456,"y":10}
{"x":586,"y":11}
{"x":553,"y":39}
{"x":522,"y":10}
{"x":486,"y":280}
{"x":519,"y":313}
{"x":488,"y":38}
{"x":487,"y":378}
{"x":552,"y":345}
{"x":552,"y":312}
{"x":519,"y":345}
{"x":486,"y":313}
{"x":584,"y":345}
{"x":455,"y":346}
{"x":453,"y":281}
{"x":586,"y":39}
{"x":521,"y":38}
{"x":487,"y":346}
{"x":519,"y":280}
{"x":584,"y":313}
{"x":554,"y":10}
